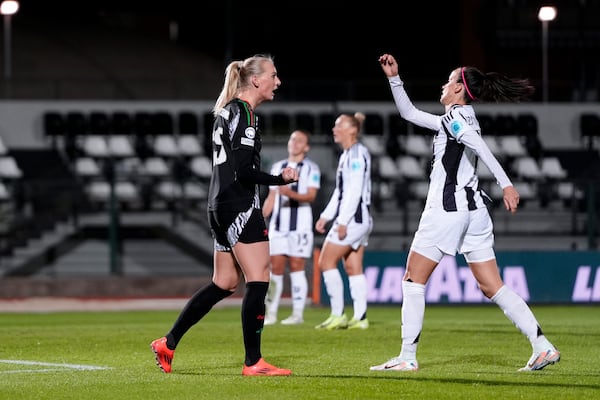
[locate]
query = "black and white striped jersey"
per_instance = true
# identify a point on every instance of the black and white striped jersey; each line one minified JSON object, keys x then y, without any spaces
{"x":457,"y":149}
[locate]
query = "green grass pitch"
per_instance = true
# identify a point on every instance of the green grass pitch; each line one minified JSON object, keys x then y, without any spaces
{"x":466,"y":352}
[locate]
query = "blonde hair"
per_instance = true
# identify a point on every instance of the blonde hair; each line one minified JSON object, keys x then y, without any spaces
{"x":360,"y":119}
{"x":356,"y":120}
{"x":237,"y":76}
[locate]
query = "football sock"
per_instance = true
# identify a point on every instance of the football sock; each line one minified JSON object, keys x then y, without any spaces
{"x":518,"y":312}
{"x":274,"y":296}
{"x":335,"y":290}
{"x":413,"y":312}
{"x":299,"y":285}
{"x":253,"y":319}
{"x":197,"y":307}
{"x":358,"y":292}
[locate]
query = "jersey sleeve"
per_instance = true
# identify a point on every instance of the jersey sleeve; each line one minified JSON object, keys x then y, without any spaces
{"x":275,"y":170}
{"x":244,"y":142}
{"x":314,"y":178}
{"x":407,"y":109}
{"x":248,"y":174}
{"x":330,"y":209}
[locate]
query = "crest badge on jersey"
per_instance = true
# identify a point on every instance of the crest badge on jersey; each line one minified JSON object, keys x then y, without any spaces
{"x":456,"y":126}
{"x":250,"y":134}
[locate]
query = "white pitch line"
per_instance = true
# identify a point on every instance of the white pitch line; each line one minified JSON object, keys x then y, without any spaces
{"x":78,"y":367}
{"x":20,"y":371}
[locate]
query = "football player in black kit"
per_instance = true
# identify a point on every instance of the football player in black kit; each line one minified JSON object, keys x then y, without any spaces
{"x":241,"y":242}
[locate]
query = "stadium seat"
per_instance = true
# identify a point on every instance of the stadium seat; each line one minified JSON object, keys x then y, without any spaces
{"x":388,"y":170}
{"x":511,"y":146}
{"x":409,"y":167}
{"x":568,"y":192}
{"x":122,"y":123}
{"x":120,"y":146}
{"x":3,"y":149}
{"x":142,"y":123}
{"x":589,"y":129}
{"x":527,"y":191}
{"x":418,"y":145}
{"x":527,"y":124}
{"x":506,"y":125}
{"x":187,"y":123}
{"x":392,"y":145}
{"x":419,"y":189}
{"x":87,"y":167}
{"x":99,"y":123}
{"x":527,"y":168}
{"x":552,"y":168}
{"x":189,"y":145}
{"x":77,"y":124}
{"x":155,"y":167}
{"x":9,"y":168}
{"x":162,"y":123}
{"x":165,"y":146}
{"x":484,"y":173}
{"x":4,"y":192}
{"x":385,"y":190}
{"x":143,"y":145}
{"x":169,"y":190}
{"x":54,"y":127}
{"x":527,"y":130}
{"x":99,"y":192}
{"x":374,"y":144}
{"x":201,"y":166}
{"x":194,"y":191}
{"x":493,"y":145}
{"x":95,"y":146}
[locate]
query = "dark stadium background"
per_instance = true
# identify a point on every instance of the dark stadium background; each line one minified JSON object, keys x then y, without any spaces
{"x":327,"y":50}
{"x":75,"y":63}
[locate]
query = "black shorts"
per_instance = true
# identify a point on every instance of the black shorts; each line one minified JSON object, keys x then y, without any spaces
{"x":229,"y":228}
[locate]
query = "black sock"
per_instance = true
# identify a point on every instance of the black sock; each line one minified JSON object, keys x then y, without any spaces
{"x":197,"y":307}
{"x":253,"y":319}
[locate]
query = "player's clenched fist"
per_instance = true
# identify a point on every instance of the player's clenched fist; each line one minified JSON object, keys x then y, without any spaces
{"x":289,"y":174}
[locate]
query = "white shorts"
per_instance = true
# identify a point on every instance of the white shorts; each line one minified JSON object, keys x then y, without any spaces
{"x":457,"y":231}
{"x":291,"y":244}
{"x":357,"y":234}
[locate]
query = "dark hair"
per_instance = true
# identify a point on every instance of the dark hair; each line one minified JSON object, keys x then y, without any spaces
{"x":305,"y":132}
{"x":493,"y":86}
